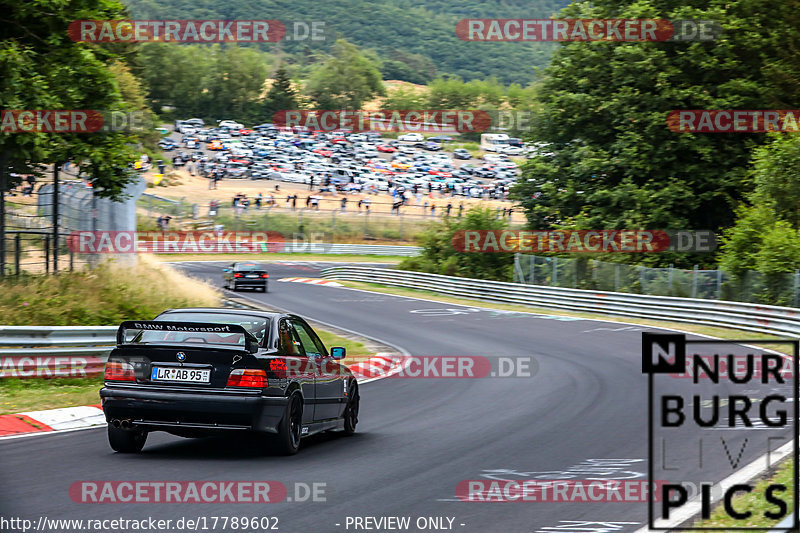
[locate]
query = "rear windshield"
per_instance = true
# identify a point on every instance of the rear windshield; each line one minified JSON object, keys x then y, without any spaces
{"x":247,"y":267}
{"x":257,"y":326}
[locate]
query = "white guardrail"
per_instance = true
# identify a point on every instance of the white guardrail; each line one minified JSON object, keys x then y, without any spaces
{"x":354,"y":249}
{"x":774,"y":320}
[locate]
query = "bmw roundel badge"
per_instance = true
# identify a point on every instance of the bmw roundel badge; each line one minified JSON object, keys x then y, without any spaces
{"x":181,"y":356}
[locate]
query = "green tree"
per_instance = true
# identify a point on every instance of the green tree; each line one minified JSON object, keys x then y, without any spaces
{"x":604,"y":113}
{"x":452,"y":93}
{"x":776,"y":174}
{"x":175,"y":78}
{"x":42,"y":68}
{"x":768,"y":221}
{"x":234,"y":83}
{"x":404,"y":98}
{"x":440,"y":257}
{"x":346,"y":80}
{"x":281,"y":96}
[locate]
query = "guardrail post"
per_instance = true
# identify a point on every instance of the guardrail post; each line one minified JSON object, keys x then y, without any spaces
{"x":641,"y":279}
{"x":533,"y":270}
{"x":71,"y":260}
{"x":17,"y":252}
{"x":796,"y":276}
{"x":47,"y":254}
{"x":719,"y":284}
{"x":694,"y":282}
{"x":616,"y":278}
{"x":669,"y":278}
{"x":554,"y":282}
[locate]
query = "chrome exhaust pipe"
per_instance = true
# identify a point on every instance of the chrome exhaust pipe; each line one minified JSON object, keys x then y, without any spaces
{"x":116,"y":422}
{"x":126,"y":424}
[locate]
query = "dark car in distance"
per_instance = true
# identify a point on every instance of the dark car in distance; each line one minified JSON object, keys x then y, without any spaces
{"x":199,"y":372}
{"x":245,"y":275}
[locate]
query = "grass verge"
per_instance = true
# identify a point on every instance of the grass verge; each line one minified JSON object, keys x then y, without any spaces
{"x":34,"y":394}
{"x":755,"y":503}
{"x":103,"y":296}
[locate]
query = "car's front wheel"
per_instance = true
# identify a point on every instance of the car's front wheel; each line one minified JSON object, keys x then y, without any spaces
{"x":126,"y":440}
{"x":288,"y":438}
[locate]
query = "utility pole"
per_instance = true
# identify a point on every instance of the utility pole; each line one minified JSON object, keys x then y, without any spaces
{"x":55,"y":217}
{"x":3,"y":186}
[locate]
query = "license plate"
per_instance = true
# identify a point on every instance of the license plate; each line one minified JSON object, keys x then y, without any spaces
{"x":251,"y":276}
{"x":192,"y":375}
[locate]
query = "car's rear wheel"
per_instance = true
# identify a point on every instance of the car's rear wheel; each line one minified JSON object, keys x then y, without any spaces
{"x":126,"y":440}
{"x":351,"y":411}
{"x":288,"y":438}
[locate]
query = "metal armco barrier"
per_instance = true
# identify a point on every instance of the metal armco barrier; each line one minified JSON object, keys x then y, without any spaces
{"x":750,"y":317}
{"x":57,"y":351}
{"x":356,"y":249}
{"x":289,"y":247}
{"x":54,"y":351}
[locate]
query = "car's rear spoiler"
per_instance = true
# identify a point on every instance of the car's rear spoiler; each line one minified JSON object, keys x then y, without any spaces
{"x":200,"y":327}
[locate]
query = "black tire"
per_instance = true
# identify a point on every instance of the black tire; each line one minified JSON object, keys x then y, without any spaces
{"x":126,"y":440}
{"x":287,"y":441}
{"x":265,"y":288}
{"x":350,"y":414}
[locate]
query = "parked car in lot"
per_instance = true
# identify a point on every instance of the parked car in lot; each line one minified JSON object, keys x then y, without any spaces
{"x":198,"y":372}
{"x":411,"y":137}
{"x":432,"y":146}
{"x":511,"y":150}
{"x":461,"y":153}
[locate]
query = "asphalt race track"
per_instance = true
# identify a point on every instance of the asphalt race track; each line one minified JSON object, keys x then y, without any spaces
{"x":417,"y":438}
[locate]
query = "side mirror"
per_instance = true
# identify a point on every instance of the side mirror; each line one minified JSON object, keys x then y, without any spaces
{"x":337,"y":352}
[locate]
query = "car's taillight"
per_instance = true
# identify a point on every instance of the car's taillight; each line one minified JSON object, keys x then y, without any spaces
{"x":238,"y":275}
{"x":119,"y":371}
{"x":264,"y":275}
{"x":245,"y":377}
